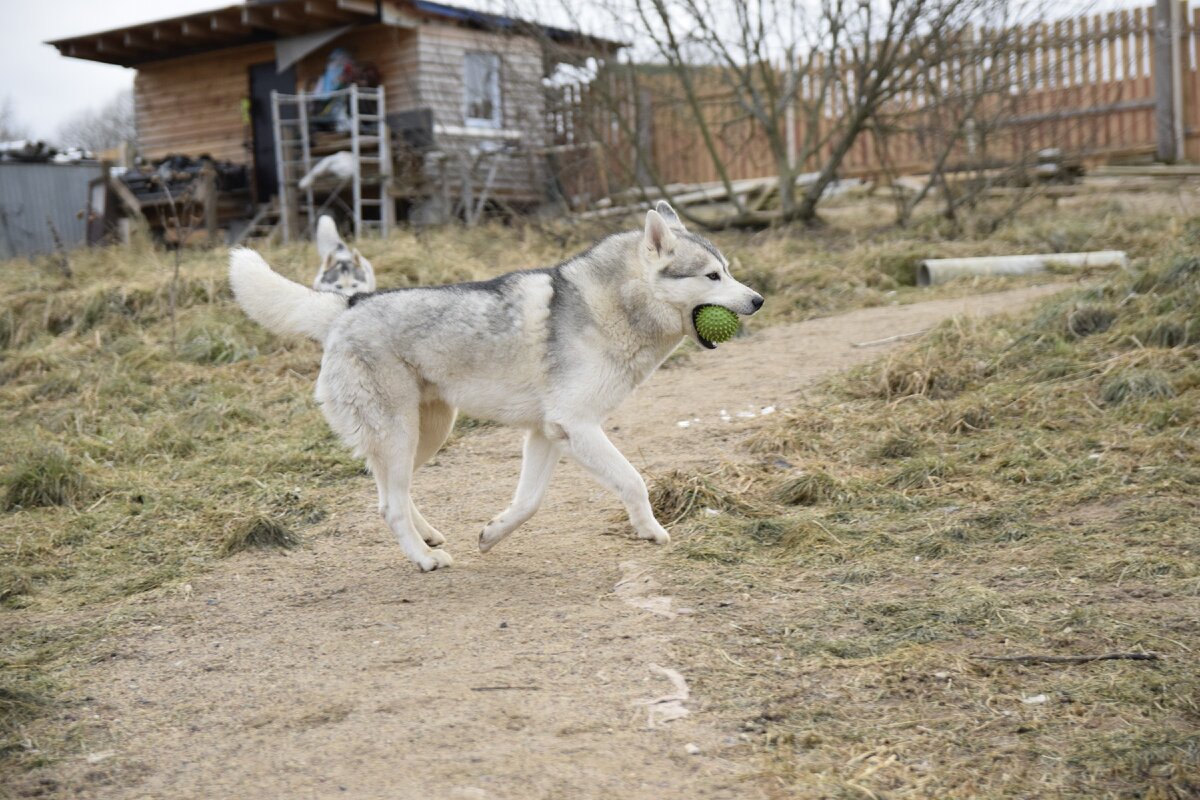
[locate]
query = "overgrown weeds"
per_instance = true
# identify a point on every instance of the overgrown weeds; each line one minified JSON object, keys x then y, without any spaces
{"x":131,"y":467}
{"x":1021,"y":485}
{"x":45,"y":477}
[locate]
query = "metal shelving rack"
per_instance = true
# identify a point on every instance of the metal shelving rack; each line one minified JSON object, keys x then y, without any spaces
{"x":298,"y":149}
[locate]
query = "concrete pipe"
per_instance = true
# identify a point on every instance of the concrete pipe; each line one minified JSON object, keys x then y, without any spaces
{"x":933,"y":271}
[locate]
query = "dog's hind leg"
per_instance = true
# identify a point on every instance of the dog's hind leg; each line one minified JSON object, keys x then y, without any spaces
{"x":437,"y":418}
{"x":390,"y":456}
{"x":601,"y":458}
{"x":540,"y":458}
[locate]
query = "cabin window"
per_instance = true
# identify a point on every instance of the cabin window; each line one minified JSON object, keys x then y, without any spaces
{"x":481,"y":79}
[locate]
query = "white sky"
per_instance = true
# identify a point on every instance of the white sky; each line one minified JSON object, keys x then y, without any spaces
{"x":46,"y":89}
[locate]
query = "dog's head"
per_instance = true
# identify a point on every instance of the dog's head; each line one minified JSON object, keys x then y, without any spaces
{"x":343,"y":269}
{"x":689,"y":272}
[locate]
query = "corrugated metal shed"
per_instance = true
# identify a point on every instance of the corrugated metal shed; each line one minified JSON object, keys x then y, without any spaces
{"x":33,"y":195}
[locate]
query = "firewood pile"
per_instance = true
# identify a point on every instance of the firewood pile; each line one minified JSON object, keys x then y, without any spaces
{"x":176,"y":176}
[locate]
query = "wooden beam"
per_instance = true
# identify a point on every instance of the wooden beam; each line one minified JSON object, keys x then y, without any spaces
{"x":257,"y":18}
{"x":392,"y":14}
{"x":137,"y":41}
{"x":327,"y":12}
{"x":80,"y":51}
{"x":200,"y":32}
{"x":112,"y":48}
{"x":287,"y":16}
{"x":358,"y":6}
{"x":224,"y":24}
{"x":127,"y":198}
{"x":167,"y":35}
{"x":263,"y":19}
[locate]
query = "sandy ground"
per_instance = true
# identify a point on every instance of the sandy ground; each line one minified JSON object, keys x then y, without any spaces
{"x":338,"y":670}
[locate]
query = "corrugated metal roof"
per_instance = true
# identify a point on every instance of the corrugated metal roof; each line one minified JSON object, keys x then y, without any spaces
{"x":34,"y":196}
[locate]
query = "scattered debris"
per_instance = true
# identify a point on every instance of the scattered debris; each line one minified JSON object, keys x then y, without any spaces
{"x":637,"y":588}
{"x":899,"y":337}
{"x":1072,"y":659}
{"x":1035,"y":700}
{"x":38,"y":152}
{"x":933,"y":271}
{"x":691,"y":749}
{"x":669,"y":707}
{"x":759,"y":195}
{"x":529,"y":688}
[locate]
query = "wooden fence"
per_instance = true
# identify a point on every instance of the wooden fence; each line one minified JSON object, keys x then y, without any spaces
{"x":1084,"y":85}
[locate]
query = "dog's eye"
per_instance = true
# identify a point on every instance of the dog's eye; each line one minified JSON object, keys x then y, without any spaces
{"x":714,"y":276}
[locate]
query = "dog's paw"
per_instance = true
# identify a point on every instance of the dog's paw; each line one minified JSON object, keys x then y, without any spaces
{"x":433,"y":538}
{"x":435,"y":559}
{"x":492,"y":533}
{"x":657,"y":534}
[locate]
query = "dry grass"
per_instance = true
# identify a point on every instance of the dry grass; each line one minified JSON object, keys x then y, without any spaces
{"x":259,"y":532}
{"x":45,"y":477}
{"x":1023,"y":485}
{"x":118,"y":446}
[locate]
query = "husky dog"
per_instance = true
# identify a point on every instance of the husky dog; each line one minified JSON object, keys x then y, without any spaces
{"x":552,"y":351}
{"x":342,"y":270}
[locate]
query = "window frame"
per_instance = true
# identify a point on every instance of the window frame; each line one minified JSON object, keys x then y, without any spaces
{"x":493,"y":89}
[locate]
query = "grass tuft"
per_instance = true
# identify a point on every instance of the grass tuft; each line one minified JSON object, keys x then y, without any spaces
{"x":17,"y":705}
{"x":810,"y":489}
{"x":46,"y":477}
{"x":677,"y":495}
{"x":897,"y":446}
{"x":258,"y":532}
{"x":216,"y":346}
{"x":1135,"y":385}
{"x":1183,"y":270}
{"x":1090,"y":318}
{"x":919,"y":473}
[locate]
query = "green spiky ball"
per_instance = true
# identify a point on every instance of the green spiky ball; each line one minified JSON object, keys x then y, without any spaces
{"x":716,"y":324}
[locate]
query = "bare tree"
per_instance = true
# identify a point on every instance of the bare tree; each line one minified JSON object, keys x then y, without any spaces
{"x":10,"y":126}
{"x":101,"y":129}
{"x":1002,"y":123}
{"x":805,"y":83}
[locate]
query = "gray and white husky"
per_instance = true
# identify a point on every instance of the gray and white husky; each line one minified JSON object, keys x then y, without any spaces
{"x":552,"y":351}
{"x":342,"y":269}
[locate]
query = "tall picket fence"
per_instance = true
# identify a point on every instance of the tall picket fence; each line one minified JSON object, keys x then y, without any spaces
{"x":1084,"y":85}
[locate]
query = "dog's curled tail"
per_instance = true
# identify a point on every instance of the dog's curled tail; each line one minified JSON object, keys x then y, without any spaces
{"x":278,"y":304}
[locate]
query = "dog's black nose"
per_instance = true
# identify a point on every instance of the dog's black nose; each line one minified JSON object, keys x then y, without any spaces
{"x":757,"y":302}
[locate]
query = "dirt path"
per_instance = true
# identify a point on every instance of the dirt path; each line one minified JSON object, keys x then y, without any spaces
{"x":338,"y":670}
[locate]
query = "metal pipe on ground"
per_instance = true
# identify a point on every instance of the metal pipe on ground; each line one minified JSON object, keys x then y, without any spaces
{"x":933,"y":271}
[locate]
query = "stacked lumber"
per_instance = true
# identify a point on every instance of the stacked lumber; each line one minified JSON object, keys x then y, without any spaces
{"x":759,"y":197}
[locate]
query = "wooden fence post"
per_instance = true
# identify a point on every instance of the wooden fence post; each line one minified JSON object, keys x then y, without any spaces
{"x":642,"y":148}
{"x":1165,"y":42}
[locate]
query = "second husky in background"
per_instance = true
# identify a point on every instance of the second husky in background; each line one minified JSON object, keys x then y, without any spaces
{"x":342,"y":269}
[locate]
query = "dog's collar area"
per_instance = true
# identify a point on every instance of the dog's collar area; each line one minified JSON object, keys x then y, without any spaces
{"x":704,"y":342}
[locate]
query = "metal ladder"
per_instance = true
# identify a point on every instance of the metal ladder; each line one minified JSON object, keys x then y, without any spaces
{"x":294,"y":158}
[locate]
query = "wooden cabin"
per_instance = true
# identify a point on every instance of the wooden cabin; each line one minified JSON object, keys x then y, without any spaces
{"x":204,"y":83}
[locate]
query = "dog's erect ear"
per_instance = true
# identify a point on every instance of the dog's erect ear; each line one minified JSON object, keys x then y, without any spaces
{"x":658,"y":240}
{"x":666,"y":212}
{"x":327,"y":236}
{"x":366,"y":268}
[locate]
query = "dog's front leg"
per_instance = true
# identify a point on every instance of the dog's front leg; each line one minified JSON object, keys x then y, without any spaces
{"x":540,"y":458}
{"x":599,"y":456}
